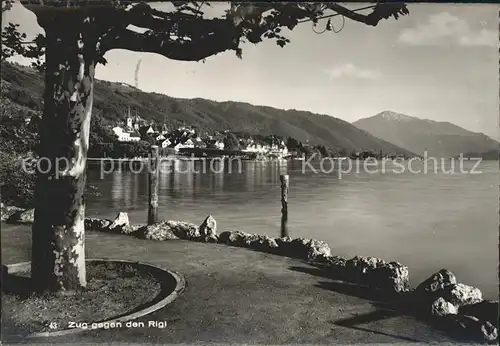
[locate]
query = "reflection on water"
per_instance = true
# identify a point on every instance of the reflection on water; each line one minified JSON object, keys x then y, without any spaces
{"x":428,"y":221}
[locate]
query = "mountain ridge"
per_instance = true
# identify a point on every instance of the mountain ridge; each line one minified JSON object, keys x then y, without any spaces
{"x":111,"y":100}
{"x":438,"y":138}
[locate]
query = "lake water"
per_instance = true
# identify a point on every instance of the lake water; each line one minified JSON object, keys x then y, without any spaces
{"x":426,"y":221}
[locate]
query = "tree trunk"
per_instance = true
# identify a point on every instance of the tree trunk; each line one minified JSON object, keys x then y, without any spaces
{"x":58,"y":250}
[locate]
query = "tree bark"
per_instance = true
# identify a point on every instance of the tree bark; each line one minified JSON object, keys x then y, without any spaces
{"x":58,"y":250}
{"x":153,"y":185}
{"x":284,"y":179}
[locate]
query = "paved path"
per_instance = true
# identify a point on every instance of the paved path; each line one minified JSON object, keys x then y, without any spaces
{"x":236,"y":295}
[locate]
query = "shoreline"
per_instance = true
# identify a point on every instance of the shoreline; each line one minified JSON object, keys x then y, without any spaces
{"x":228,"y":291}
{"x":441,"y":297}
{"x":420,"y":270}
{"x":193,"y":158}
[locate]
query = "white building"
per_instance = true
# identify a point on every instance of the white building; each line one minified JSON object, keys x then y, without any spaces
{"x":279,"y":150}
{"x":165,"y":143}
{"x":256,"y":148}
{"x":126,"y":136}
{"x":187,"y":144}
{"x":117,"y":130}
{"x":198,"y":142}
{"x":185,"y":130}
{"x":219,"y":145}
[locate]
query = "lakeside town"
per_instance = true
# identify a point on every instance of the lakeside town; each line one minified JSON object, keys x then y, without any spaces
{"x":190,"y":141}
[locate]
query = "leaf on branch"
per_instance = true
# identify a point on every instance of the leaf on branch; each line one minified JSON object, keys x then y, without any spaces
{"x":239,"y":53}
{"x":101,"y":60}
{"x":40,"y":40}
{"x":386,"y":10}
{"x":6,"y":5}
{"x":281,"y":43}
{"x":189,"y":6}
{"x":38,"y":65}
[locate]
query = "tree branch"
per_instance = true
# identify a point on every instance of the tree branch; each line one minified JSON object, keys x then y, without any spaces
{"x":381,"y":11}
{"x":178,"y":23}
{"x":366,"y":19}
{"x":161,"y":43}
{"x":184,"y":34}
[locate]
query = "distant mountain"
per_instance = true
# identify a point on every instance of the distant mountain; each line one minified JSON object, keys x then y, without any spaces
{"x":23,"y":88}
{"x":440,"y":139}
{"x":489,"y":155}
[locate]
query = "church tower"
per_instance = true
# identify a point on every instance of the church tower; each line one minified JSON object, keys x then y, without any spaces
{"x":136,"y":121}
{"x":129,"y":120}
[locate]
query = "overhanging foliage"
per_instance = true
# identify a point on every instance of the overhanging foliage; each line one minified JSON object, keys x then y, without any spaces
{"x":182,"y":32}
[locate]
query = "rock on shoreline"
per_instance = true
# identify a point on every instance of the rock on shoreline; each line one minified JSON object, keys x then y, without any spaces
{"x":457,"y":307}
{"x":159,"y":232}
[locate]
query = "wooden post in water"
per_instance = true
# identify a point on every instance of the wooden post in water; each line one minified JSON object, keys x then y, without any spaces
{"x":153,"y":185}
{"x":284,"y":179}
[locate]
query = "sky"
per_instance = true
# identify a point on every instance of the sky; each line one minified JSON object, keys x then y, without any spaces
{"x":438,"y":63}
